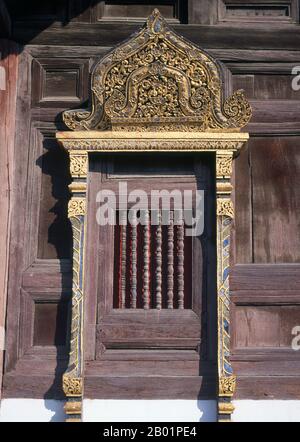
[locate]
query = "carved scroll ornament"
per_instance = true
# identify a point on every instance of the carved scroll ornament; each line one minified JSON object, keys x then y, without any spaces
{"x":158,"y":81}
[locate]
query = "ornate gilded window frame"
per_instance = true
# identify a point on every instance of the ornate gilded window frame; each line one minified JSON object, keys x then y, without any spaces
{"x":195,"y":119}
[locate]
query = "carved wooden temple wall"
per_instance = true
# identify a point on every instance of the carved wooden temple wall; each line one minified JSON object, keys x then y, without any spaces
{"x":95,"y":93}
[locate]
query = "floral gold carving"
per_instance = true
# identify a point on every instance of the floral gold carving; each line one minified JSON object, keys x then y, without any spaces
{"x":158,"y":81}
{"x":227,"y":385}
{"x":72,"y":386}
{"x":224,"y":166}
{"x":76,"y":207}
{"x":225,"y":207}
{"x":78,"y":164}
{"x":237,"y":109}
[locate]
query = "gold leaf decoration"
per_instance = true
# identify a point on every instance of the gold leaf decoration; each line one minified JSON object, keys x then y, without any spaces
{"x":157,"y":80}
{"x":225,"y":207}
{"x":72,"y":386}
{"x":224,"y":166}
{"x":227,"y":385}
{"x":76,"y":207}
{"x":78,"y":164}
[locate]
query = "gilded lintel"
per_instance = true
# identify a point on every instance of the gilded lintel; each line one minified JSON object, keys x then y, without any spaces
{"x":76,"y":207}
{"x":225,"y":207}
{"x":221,"y":142}
{"x":72,"y":386}
{"x":78,"y":164}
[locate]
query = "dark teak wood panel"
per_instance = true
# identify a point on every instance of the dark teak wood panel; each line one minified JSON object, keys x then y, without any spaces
{"x":275,"y":164}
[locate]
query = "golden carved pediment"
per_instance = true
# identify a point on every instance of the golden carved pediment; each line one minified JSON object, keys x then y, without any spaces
{"x":157,"y":80}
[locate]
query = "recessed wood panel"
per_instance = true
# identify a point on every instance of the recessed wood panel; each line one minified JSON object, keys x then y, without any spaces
{"x":269,"y":88}
{"x":258,"y":11}
{"x":265,"y":326}
{"x":266,"y":86}
{"x":50,"y":323}
{"x":174,"y":10}
{"x":55,"y":79}
{"x":275,"y":166}
{"x":58,"y":82}
{"x":267,"y":200}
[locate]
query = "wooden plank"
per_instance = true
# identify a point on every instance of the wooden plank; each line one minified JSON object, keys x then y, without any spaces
{"x":17,"y":205}
{"x":265,"y":277}
{"x":268,"y":387}
{"x":150,"y":387}
{"x":33,"y":386}
{"x":8,"y":91}
{"x":265,"y":297}
{"x":242,"y":244}
{"x":248,"y":36}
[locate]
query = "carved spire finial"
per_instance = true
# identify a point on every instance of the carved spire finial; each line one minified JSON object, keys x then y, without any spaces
{"x":156,"y":23}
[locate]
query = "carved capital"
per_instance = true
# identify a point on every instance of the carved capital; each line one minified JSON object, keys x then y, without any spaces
{"x":78,"y":164}
{"x":225,"y":207}
{"x":72,"y":386}
{"x":224,"y":166}
{"x":227,"y":385}
{"x":76,"y":207}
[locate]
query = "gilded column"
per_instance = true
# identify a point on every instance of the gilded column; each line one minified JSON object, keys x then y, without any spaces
{"x":73,"y":377}
{"x":225,"y":215}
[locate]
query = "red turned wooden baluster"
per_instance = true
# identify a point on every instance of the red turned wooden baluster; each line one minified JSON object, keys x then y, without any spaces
{"x":146,"y":250}
{"x":170,"y":289}
{"x":158,"y":269}
{"x":133,"y":271}
{"x":123,"y":216}
{"x":180,"y":266}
